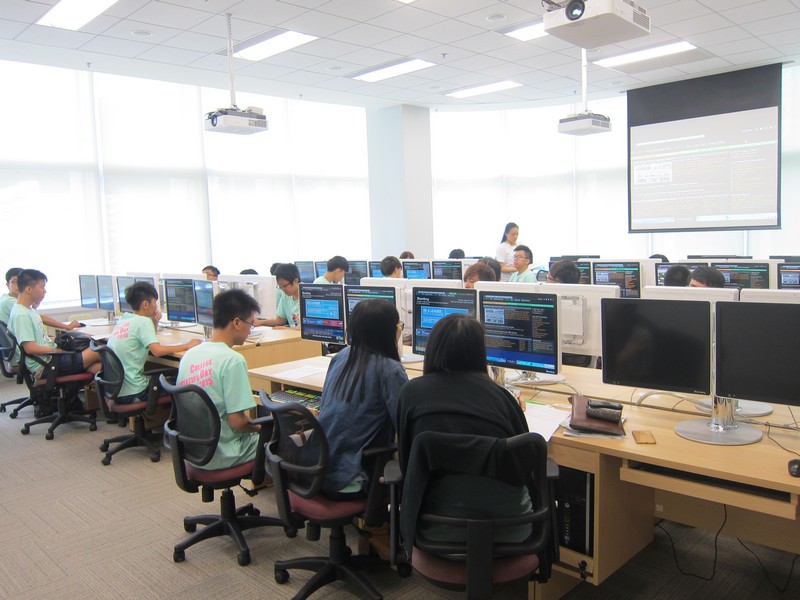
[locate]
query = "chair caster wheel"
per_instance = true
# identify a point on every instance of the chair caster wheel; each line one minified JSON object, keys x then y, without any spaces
{"x":403,"y":569}
{"x":92,"y":426}
{"x":2,"y":409}
{"x":49,"y":435}
{"x":12,"y":414}
{"x":178,"y":555}
{"x":281,"y":576}
{"x":25,"y":430}
{"x":103,"y":447}
{"x":189,"y":527}
{"x":243,"y":559}
{"x":290,"y":533}
{"x":155,"y":458}
{"x":106,"y":460}
{"x":255,"y":512}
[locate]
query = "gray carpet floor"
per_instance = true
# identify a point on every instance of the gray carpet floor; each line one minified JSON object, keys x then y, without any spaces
{"x":75,"y":529}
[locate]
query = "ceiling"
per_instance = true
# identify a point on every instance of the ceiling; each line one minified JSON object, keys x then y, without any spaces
{"x":185,"y":41}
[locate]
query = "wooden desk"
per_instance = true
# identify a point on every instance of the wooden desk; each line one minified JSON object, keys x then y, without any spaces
{"x":674,"y":479}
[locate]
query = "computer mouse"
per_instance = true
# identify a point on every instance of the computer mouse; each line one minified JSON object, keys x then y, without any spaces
{"x":81,"y":324}
{"x":794,"y":467}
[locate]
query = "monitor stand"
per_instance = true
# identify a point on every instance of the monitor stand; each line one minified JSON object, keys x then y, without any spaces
{"x":742,"y":408}
{"x":533,"y":378}
{"x":111,"y":317}
{"x":208,"y":331}
{"x":720,"y":429}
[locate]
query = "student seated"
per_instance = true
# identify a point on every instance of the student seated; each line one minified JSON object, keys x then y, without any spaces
{"x":522,"y":262}
{"x":211,"y":272}
{"x":405,"y":254}
{"x":359,"y":398}
{"x":456,"y":253}
{"x":248,"y":272}
{"x":456,"y":395}
{"x":478,"y":272}
{"x":288,"y":311}
{"x":391,"y":267}
{"x":8,"y":300}
{"x":337,"y":267}
{"x":564,"y":271}
{"x":27,"y":325}
{"x":488,"y":260}
{"x":135,"y":335}
{"x":677,"y":276}
{"x":222,"y":372}
{"x":707,"y":277}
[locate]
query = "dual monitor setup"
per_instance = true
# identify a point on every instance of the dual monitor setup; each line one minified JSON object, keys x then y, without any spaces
{"x":412,"y":269}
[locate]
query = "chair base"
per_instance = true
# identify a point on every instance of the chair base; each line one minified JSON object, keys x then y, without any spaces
{"x":231,"y":522}
{"x":24,"y":403}
{"x":8,"y":403}
{"x":139,"y":438}
{"x":339,"y":566}
{"x":64,"y":415}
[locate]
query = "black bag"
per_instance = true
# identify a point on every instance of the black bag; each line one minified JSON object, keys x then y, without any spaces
{"x":72,"y":341}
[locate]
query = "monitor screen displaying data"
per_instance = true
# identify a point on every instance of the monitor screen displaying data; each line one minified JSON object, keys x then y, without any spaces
{"x":88,"y":285}
{"x":744,"y":275}
{"x":624,"y":274}
{"x":105,"y":293}
{"x":789,"y":276}
{"x":657,"y":344}
{"x":663,"y":267}
{"x":180,"y":300}
{"x":204,"y":301}
{"x":353,"y":294}
{"x":306,"y":269}
{"x":320,"y":267}
{"x":521,"y":330}
{"x":123,"y":283}
{"x":447,"y":269}
{"x":432,"y":304}
{"x":358,"y":269}
{"x":322,"y":313}
{"x":416,"y":269}
{"x":375,"y":268}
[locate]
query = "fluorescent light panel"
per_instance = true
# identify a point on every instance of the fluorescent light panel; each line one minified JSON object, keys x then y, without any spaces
{"x":403,"y":68}
{"x":485,"y":89}
{"x":74,"y":14}
{"x":525,"y":32}
{"x":274,"y":45}
{"x":642,"y":55}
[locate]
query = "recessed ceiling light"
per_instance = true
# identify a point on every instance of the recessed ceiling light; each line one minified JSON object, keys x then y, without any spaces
{"x":525,"y":32}
{"x":641,"y":55}
{"x":393,"y":70}
{"x":142,"y":33}
{"x":275,"y":44}
{"x":74,"y":14}
{"x":496,"y":18}
{"x":485,"y":89}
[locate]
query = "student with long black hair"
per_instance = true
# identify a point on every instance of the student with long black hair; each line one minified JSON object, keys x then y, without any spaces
{"x":359,"y":397}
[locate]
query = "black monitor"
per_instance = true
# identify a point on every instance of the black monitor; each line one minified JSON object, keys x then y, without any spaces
{"x":756,"y":351}
{"x":663,"y":267}
{"x":149,"y":280}
{"x":88,"y":285}
{"x":306,"y":270}
{"x":322,"y":313}
{"x":179,"y":298}
{"x":447,"y":269}
{"x":320,"y":268}
{"x":712,"y":256}
{"x":744,"y":275}
{"x":431,"y":304}
{"x":374,"y":267}
{"x":789,"y":276}
{"x":105,"y":293}
{"x":416,"y":269}
{"x":353,"y":294}
{"x":573,"y":257}
{"x":627,"y":275}
{"x":657,"y":344}
{"x":358,"y":269}
{"x":789,"y":258}
{"x":204,"y":302}
{"x":521,"y":330}
{"x":123,"y":283}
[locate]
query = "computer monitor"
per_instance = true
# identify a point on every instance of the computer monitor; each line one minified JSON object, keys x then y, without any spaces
{"x":322,"y":313}
{"x":778,"y":296}
{"x":105,"y":293}
{"x":204,"y":292}
{"x":416,"y":269}
{"x":358,"y":269}
{"x":403,"y":299}
{"x":447,"y":269}
{"x":573,"y":257}
{"x":789,"y":276}
{"x":717,"y":256}
{"x":88,"y":285}
{"x":374,"y":268}
{"x":627,"y":275}
{"x":432,"y":304}
{"x":179,"y":298}
{"x":320,"y":268}
{"x":713,"y":295}
{"x":663,"y":267}
{"x":522,"y":331}
{"x":123,"y":283}
{"x":744,"y":274}
{"x":584,"y":266}
{"x":263,"y":288}
{"x":353,"y":294}
{"x":306,"y":270}
{"x":657,"y":344}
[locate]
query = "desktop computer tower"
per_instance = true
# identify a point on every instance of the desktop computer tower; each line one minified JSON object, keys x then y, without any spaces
{"x":574,"y":495}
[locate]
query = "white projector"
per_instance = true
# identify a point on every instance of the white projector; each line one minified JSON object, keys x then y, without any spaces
{"x":603,"y":22}
{"x":584,"y":124}
{"x":234,"y":120}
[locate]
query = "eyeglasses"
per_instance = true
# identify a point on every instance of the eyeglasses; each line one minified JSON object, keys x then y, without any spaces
{"x":401,"y":326}
{"x":282,"y":287}
{"x":251,"y":323}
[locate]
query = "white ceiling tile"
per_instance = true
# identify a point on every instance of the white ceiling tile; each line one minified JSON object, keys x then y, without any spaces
{"x":370,"y":58}
{"x":99,"y":24}
{"x":364,"y":34}
{"x":754,"y":57}
{"x":174,"y":56}
{"x":444,"y":54}
{"x":407,"y":45}
{"x":266,"y":12}
{"x":303,"y":77}
{"x":10,"y":29}
{"x":122,"y":9}
{"x":334,"y":68}
{"x":737,"y":47}
{"x":774,"y":24}
{"x":439,"y":72}
{"x":715,"y":4}
{"x":52,"y":36}
{"x":241,"y":29}
{"x":701,"y":66}
{"x":780,"y":38}
{"x":188,"y":40}
{"x":292,"y":59}
{"x":484,"y":42}
{"x":211,"y":62}
{"x":179,"y":17}
{"x":701,"y":24}
{"x":476,"y":63}
{"x":23,"y":10}
{"x":720,"y":36}
{"x":407,"y":19}
{"x":676,"y":11}
{"x":448,"y":8}
{"x":264,"y":71}
{"x":552,"y":59}
{"x":123,"y":29}
{"x":358,"y":10}
{"x":448,"y":31}
{"x":326,"y":48}
{"x":342,"y":84}
{"x":513,"y":15}
{"x":758,"y":11}
{"x":307,"y":3}
{"x":212,"y":6}
{"x":318,"y":24}
{"x":115,"y":47}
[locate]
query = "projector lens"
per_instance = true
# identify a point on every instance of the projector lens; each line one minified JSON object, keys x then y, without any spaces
{"x":574,"y":10}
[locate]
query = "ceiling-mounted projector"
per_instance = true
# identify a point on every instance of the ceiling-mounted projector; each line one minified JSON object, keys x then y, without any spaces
{"x":235,"y":120}
{"x":595,"y":23}
{"x":584,"y":124}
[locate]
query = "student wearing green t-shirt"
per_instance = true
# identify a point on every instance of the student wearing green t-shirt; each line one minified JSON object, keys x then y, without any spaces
{"x":288,"y":309}
{"x":8,"y":300}
{"x":222,"y":372}
{"x":336,"y":269}
{"x":523,"y":257}
{"x":135,"y":335}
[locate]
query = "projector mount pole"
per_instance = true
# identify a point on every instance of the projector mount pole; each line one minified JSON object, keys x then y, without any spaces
{"x":230,"y":61}
{"x":584,"y":77}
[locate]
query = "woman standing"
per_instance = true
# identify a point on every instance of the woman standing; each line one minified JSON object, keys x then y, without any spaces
{"x":505,"y":251}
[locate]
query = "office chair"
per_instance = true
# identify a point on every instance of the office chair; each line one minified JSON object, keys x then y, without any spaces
{"x":480,"y":555}
{"x":298,"y":456}
{"x":55,"y":397}
{"x":109,"y":382}
{"x":8,"y":348}
{"x":192,"y":433}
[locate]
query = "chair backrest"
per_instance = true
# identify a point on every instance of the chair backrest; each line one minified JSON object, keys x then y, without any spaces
{"x":8,"y":350}
{"x":109,"y":381}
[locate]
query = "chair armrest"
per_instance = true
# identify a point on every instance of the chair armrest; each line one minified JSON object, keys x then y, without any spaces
{"x":264,"y":436}
{"x":374,"y":461}
{"x":552,"y":469}
{"x":392,"y":475}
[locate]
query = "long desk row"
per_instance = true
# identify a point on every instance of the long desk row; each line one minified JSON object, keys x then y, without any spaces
{"x":674,"y":479}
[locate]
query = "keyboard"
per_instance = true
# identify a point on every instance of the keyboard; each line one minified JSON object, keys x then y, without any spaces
{"x":305,"y":397}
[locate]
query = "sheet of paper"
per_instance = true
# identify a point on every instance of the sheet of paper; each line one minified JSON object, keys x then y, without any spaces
{"x":299,"y":373}
{"x":543,"y":419}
